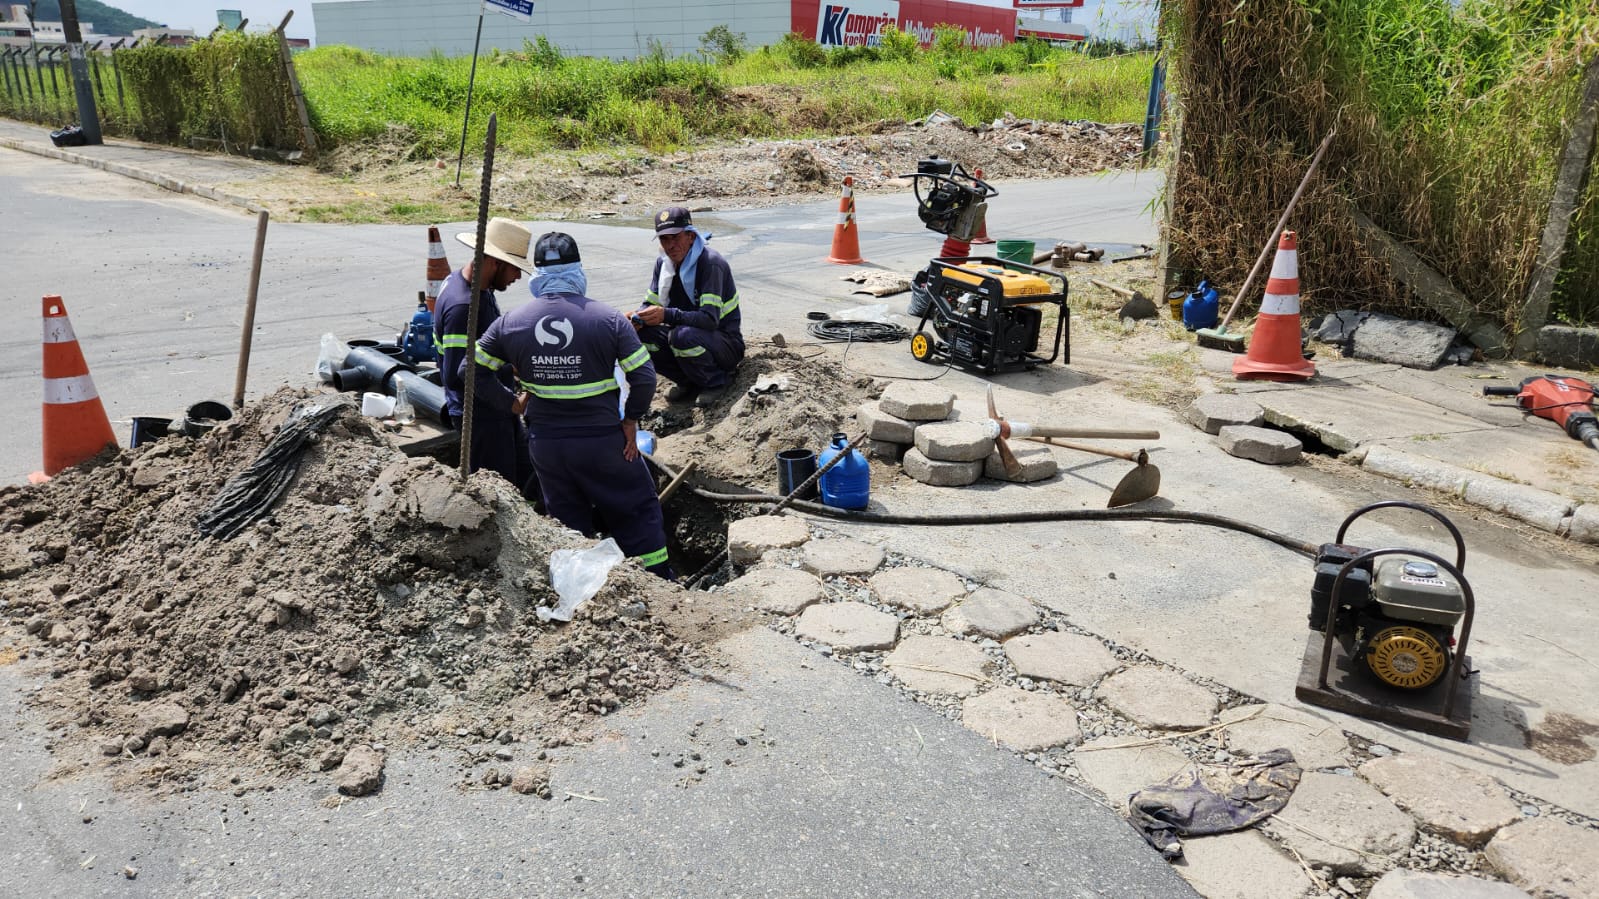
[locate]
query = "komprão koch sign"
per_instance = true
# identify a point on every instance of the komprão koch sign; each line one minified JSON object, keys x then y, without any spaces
{"x":860,"y":23}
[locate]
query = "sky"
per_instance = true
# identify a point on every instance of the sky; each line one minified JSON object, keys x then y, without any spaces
{"x":201,"y":15}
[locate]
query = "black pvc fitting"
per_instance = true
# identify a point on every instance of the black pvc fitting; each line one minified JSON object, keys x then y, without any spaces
{"x":367,"y":368}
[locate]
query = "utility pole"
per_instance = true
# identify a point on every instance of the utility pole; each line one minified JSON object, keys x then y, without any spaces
{"x":88,"y":116}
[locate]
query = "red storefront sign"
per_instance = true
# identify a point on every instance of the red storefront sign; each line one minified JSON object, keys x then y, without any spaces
{"x":854,"y":23}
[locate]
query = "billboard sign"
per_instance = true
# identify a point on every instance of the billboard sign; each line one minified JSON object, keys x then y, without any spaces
{"x":854,"y":23}
{"x":516,"y":9}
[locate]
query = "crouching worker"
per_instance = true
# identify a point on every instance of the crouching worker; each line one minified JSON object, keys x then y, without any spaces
{"x":564,"y":349}
{"x":690,"y":318}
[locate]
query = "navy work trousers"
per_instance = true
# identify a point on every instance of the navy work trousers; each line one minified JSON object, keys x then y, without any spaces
{"x":693,"y":357}
{"x":499,"y":444}
{"x":582,"y":476}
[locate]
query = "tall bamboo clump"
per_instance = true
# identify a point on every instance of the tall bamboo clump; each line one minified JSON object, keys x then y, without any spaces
{"x":1451,"y":122}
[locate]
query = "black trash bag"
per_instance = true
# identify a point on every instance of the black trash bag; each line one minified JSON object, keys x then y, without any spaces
{"x":1200,"y":801}
{"x":70,"y":136}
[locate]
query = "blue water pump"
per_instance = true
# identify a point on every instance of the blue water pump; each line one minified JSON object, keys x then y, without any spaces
{"x":1201,"y":308}
{"x":417,"y":338}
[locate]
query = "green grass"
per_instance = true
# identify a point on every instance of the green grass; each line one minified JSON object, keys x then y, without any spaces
{"x":657,"y":104}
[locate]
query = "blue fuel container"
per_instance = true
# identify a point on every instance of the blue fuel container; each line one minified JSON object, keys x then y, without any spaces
{"x":417,"y":338}
{"x":1201,"y":308}
{"x":847,"y":485}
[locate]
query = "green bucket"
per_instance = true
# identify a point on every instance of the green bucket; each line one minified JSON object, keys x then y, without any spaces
{"x":1015,"y":251}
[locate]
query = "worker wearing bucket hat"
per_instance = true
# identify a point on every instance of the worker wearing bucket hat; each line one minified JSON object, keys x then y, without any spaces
{"x":690,"y":318}
{"x":498,"y":442}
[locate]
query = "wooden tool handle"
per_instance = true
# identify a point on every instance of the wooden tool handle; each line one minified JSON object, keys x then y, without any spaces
{"x":1112,"y":288}
{"x":1093,"y":433}
{"x":1139,"y":456}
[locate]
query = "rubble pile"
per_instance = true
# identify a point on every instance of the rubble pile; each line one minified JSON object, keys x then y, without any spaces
{"x":382,"y":601}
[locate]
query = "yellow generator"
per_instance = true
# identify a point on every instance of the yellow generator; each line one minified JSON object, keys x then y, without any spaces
{"x":987,"y":314}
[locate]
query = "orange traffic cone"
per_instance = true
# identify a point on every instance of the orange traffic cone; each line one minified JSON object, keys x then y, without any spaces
{"x":438,"y":267}
{"x":846,"y":243}
{"x":982,"y":226}
{"x":75,"y":423}
{"x":1274,"y":348}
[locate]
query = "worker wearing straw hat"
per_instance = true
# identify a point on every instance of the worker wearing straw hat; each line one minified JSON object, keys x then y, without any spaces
{"x":498,"y":441}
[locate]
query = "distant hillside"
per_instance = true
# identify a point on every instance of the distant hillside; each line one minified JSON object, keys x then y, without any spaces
{"x":106,"y":19}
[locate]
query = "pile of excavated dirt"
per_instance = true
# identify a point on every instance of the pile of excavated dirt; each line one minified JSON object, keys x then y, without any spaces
{"x":382,"y":601}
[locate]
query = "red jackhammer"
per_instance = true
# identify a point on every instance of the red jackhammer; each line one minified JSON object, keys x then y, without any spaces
{"x":1568,"y":402}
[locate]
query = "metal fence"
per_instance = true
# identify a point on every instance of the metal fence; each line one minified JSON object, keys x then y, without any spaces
{"x":37,"y":87}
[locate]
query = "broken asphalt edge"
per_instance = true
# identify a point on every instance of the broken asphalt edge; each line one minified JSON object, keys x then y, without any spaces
{"x":166,"y":182}
{"x":1546,"y":511}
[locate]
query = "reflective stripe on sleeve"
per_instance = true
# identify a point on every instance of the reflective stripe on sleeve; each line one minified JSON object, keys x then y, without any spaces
{"x":489,"y":362}
{"x":639,"y":357}
{"x":654,"y":558}
{"x":451,"y":341}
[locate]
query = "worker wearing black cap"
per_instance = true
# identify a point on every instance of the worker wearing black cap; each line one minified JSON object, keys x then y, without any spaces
{"x":690,"y":318}
{"x":564,"y":349}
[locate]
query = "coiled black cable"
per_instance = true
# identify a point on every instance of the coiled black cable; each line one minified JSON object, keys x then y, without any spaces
{"x":857,"y":332}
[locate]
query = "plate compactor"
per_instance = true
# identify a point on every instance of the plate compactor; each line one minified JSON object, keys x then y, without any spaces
{"x":1386,"y":646}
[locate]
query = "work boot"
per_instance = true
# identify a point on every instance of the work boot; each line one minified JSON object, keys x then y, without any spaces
{"x":710,"y":395}
{"x":681,"y":393}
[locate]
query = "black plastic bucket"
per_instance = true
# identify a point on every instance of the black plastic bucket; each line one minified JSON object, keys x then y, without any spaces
{"x":794,"y":466}
{"x":148,"y":430}
{"x":203,"y":416}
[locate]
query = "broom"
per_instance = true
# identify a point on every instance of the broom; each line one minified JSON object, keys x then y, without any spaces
{"x":1217,"y":338}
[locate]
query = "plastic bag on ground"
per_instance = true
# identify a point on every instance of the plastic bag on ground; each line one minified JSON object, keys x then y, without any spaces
{"x":577,"y":575}
{"x":875,"y":312}
{"x":331,"y":358}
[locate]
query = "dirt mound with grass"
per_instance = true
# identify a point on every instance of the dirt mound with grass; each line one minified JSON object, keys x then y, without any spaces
{"x":381,"y":601}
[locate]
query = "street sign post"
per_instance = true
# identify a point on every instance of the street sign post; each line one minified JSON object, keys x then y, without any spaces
{"x":521,"y":10}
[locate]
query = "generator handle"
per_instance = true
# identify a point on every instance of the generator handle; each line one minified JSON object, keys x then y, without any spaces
{"x":1457,"y":669}
{"x":1460,"y":543}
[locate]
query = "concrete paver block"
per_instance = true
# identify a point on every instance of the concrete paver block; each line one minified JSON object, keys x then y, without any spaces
{"x":925,"y":591}
{"x":939,"y":665}
{"x":1155,"y":697}
{"x":954,"y":441}
{"x":1547,"y":857}
{"x":1568,"y":347}
{"x":1314,"y":741}
{"x":840,"y":555}
{"x":887,"y":451}
{"x":1038,"y":463}
{"x":1413,"y":344}
{"x":1463,"y":805}
{"x":879,"y":425}
{"x":1120,"y":771}
{"x":1402,"y":883}
{"x":1539,"y":508}
{"x":1026,"y":722}
{"x":786,"y":591}
{"x":1241,"y":865}
{"x":749,"y":538}
{"x":1260,"y":444}
{"x":848,"y":626}
{"x":1214,"y":411}
{"x":1342,"y":812}
{"x":991,"y":613}
{"x":1585,"y":524}
{"x":1064,"y":658}
{"x":916,"y":402}
{"x":941,"y":474}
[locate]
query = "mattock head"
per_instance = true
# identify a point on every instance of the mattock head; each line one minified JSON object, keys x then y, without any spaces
{"x":1006,"y":457}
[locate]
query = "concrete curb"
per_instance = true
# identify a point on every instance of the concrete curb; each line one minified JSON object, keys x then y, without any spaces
{"x":166,"y":182}
{"x":1540,"y":508}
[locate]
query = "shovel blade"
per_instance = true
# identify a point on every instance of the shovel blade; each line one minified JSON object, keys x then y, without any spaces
{"x":1138,"y":485}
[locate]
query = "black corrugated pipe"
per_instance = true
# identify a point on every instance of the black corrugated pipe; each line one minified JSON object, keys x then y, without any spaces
{"x":366,"y":368}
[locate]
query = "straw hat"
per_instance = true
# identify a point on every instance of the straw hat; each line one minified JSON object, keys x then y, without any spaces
{"x":504,"y":239}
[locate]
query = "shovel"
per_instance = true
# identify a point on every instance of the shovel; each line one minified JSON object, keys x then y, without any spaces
{"x":1138,"y":485}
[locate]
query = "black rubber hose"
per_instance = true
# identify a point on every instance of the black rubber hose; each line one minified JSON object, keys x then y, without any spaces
{"x":979,"y":518}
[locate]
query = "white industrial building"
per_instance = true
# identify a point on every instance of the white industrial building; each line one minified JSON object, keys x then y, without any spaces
{"x":623,"y":29}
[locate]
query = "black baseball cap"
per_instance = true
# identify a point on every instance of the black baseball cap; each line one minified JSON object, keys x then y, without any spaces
{"x":555,"y":248}
{"x":672,"y":220}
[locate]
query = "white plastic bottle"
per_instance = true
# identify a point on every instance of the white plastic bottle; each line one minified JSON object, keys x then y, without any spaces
{"x":404,"y":412}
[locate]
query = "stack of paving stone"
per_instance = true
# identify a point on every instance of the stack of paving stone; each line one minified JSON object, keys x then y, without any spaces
{"x":916,"y":424}
{"x":1047,"y":694}
{"x":1237,"y":422}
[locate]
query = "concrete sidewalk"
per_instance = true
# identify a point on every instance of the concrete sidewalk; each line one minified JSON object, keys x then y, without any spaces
{"x":1435,"y":429}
